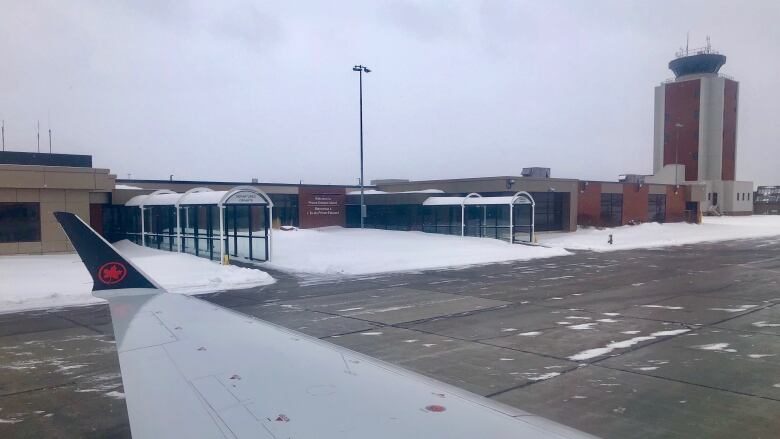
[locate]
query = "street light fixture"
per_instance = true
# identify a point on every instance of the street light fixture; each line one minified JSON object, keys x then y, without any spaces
{"x":361,"y":70}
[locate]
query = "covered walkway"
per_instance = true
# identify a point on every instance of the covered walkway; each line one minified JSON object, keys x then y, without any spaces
{"x":207,"y":223}
{"x":510,"y":218}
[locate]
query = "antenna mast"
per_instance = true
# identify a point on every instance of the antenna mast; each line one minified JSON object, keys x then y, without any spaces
{"x":49,"y":119}
{"x":3,"y":129}
{"x":38,"y":132}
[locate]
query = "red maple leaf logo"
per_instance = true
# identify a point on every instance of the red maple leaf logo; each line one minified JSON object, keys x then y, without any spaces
{"x":112,"y":272}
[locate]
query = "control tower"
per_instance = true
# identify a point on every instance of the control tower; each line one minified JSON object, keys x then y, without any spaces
{"x":696,"y":128}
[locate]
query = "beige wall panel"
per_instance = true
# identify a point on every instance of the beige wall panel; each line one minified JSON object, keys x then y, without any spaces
{"x":8,"y":248}
{"x":26,"y":179}
{"x":657,"y":189}
{"x":28,"y":195}
{"x":98,"y":197}
{"x":51,"y":231}
{"x":7,"y":195}
{"x":70,"y":180}
{"x":54,"y":246}
{"x":611,"y":188}
{"x":76,"y":197}
{"x":30,"y":248}
{"x":105,"y":182}
{"x":53,"y":196}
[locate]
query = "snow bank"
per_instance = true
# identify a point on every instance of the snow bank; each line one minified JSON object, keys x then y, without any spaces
{"x":47,"y":281}
{"x":336,"y":250}
{"x":651,"y":235}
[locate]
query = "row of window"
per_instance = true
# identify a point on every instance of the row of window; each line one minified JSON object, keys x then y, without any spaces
{"x":612,"y":209}
{"x":741,"y":196}
{"x":446,"y":219}
{"x":20,"y":222}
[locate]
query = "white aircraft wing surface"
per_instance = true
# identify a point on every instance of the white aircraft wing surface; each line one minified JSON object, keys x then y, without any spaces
{"x":192,"y":369}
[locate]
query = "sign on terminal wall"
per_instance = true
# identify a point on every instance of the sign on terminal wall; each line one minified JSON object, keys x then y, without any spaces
{"x":321,"y":207}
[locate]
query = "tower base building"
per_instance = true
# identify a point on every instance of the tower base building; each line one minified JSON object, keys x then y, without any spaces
{"x":695,"y":137}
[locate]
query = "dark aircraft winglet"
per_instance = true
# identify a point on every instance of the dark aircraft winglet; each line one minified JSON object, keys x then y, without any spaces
{"x":109,"y":269}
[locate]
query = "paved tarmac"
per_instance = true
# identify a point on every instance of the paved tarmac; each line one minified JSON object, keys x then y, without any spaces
{"x":665,"y":343}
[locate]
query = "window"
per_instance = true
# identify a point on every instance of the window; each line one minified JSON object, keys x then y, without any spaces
{"x":709,"y":196}
{"x":286,"y":209}
{"x":748,"y":196}
{"x":611,"y":209}
{"x":20,"y":222}
{"x":549,"y":210}
{"x":656,"y":207}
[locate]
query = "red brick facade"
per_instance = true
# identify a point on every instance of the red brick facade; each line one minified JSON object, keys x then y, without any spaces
{"x":634,"y":203}
{"x":675,"y":204}
{"x":682,"y":106}
{"x":589,"y":204}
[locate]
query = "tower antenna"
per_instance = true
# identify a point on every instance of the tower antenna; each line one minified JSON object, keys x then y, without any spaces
{"x":3,"y":130}
{"x":687,"y":40}
{"x":38,"y":132}
{"x":49,"y":117}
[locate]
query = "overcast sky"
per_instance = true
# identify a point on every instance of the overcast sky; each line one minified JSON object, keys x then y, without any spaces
{"x":234,"y":90}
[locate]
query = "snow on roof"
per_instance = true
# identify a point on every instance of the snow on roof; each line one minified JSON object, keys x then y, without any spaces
{"x":205,"y":196}
{"x":474,"y":201}
{"x":376,"y":192}
{"x":135,"y":201}
{"x":443,"y":201}
{"x":161,"y":199}
{"x":125,"y":186}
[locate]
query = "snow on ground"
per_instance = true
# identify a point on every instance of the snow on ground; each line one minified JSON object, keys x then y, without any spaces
{"x":47,"y":281}
{"x":623,"y":344}
{"x":651,"y":235}
{"x":336,"y":250}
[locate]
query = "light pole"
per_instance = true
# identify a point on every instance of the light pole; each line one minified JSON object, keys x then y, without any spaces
{"x":361,"y":70}
{"x":677,"y":127}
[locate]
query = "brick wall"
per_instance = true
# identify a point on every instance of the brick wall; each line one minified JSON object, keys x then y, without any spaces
{"x":682,"y":106}
{"x":675,"y":204}
{"x":634,"y":203}
{"x":589,"y":204}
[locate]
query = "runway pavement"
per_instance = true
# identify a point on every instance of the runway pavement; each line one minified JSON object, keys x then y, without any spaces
{"x":676,"y":342}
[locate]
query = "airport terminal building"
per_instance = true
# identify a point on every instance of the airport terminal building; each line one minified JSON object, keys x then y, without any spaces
{"x":167,"y":214}
{"x":694,"y":172}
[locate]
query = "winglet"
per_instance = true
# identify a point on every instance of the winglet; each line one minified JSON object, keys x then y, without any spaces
{"x":109,"y":269}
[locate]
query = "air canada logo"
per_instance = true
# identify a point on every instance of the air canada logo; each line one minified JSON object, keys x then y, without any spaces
{"x":111,"y":273}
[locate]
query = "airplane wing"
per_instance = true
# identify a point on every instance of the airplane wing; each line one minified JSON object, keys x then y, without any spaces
{"x":196,"y":370}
